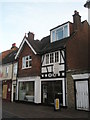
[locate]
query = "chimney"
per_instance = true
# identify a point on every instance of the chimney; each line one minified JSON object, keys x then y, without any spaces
{"x":76,"y":20}
{"x":13,"y":46}
{"x":31,"y":36}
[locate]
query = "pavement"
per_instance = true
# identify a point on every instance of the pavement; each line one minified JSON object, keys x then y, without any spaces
{"x":23,"y":110}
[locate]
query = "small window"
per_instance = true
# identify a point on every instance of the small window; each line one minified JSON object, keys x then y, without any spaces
{"x":60,"y":32}
{"x":26,"y":62}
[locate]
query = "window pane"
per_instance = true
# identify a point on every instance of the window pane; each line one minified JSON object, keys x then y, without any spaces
{"x":51,"y":58}
{"x":66,"y":31}
{"x":56,"y":56}
{"x":23,"y":62}
{"x":26,"y":63}
{"x":47,"y":59}
{"x":53,"y":36}
{"x":30,"y":57}
{"x":30,"y":63}
{"x":26,"y":91}
{"x":15,"y":69}
{"x":27,"y":58}
{"x":59,"y":34}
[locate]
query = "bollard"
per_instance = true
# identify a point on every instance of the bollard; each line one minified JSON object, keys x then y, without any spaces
{"x":56,"y":104}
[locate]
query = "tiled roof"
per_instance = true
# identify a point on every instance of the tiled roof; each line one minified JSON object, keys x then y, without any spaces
{"x":44,"y":46}
{"x":50,"y":47}
{"x":10,"y":57}
{"x":36,"y":44}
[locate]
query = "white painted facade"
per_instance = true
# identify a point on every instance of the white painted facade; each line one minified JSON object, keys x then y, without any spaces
{"x":37,"y":87}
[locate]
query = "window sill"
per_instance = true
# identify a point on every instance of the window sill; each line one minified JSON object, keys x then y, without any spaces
{"x":26,"y":68}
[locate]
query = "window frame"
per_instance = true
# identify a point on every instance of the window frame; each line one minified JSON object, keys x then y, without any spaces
{"x":26,"y":61}
{"x":63,"y":30}
{"x":7,"y":71}
{"x":15,"y":67}
{"x":54,"y":59}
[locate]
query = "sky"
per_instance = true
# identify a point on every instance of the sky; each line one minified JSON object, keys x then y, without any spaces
{"x":37,"y":16}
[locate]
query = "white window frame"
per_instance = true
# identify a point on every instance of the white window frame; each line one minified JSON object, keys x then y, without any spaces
{"x":24,"y":60}
{"x":15,"y":69}
{"x":61,"y":27}
{"x":7,"y":70}
{"x":45,"y":63}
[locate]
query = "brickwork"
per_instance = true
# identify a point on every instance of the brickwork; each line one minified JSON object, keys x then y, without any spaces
{"x":77,"y":49}
{"x":70,"y":91}
{"x":35,"y":69}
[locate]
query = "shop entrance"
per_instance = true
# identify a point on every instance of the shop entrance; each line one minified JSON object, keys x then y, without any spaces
{"x":50,"y":91}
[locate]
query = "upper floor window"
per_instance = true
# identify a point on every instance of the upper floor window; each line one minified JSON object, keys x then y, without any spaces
{"x":60,"y":32}
{"x":56,"y":57}
{"x":7,"y":70}
{"x":26,"y":62}
{"x":47,"y":58}
{"x":52,"y":57}
{"x":15,"y":69}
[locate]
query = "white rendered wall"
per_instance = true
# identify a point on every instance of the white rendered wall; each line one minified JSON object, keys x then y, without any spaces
{"x":37,"y":92}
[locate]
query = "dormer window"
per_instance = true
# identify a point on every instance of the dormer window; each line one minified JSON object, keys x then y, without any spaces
{"x":60,"y":32}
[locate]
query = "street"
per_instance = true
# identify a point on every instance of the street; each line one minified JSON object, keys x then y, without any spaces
{"x":22,"y":110}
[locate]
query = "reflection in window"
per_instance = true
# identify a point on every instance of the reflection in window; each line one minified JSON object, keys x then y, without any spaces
{"x":26,"y":91}
{"x":60,"y":33}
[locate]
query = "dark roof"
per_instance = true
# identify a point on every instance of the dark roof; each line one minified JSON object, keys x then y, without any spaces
{"x":50,"y":47}
{"x":61,"y":25}
{"x":35,"y":44}
{"x":39,"y":45}
{"x":10,"y":57}
{"x":45,"y":46}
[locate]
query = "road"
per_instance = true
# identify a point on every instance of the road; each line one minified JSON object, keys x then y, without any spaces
{"x":21,"y":110}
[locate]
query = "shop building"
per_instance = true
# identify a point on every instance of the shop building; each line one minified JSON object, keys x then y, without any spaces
{"x":56,"y":66}
{"x":9,"y":71}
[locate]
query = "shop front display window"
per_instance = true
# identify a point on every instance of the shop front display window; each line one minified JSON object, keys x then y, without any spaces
{"x":26,"y":91}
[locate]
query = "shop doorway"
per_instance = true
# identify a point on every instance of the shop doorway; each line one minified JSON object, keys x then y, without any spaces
{"x":82,"y":95}
{"x":50,"y":91}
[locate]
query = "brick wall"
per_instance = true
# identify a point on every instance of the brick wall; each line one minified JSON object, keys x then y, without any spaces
{"x":35,"y":69}
{"x":70,"y":91}
{"x":77,"y":49}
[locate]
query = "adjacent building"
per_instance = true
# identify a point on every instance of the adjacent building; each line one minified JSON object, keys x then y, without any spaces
{"x":9,"y":74}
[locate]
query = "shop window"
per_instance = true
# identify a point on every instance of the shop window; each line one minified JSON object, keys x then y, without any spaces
{"x":26,"y":91}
